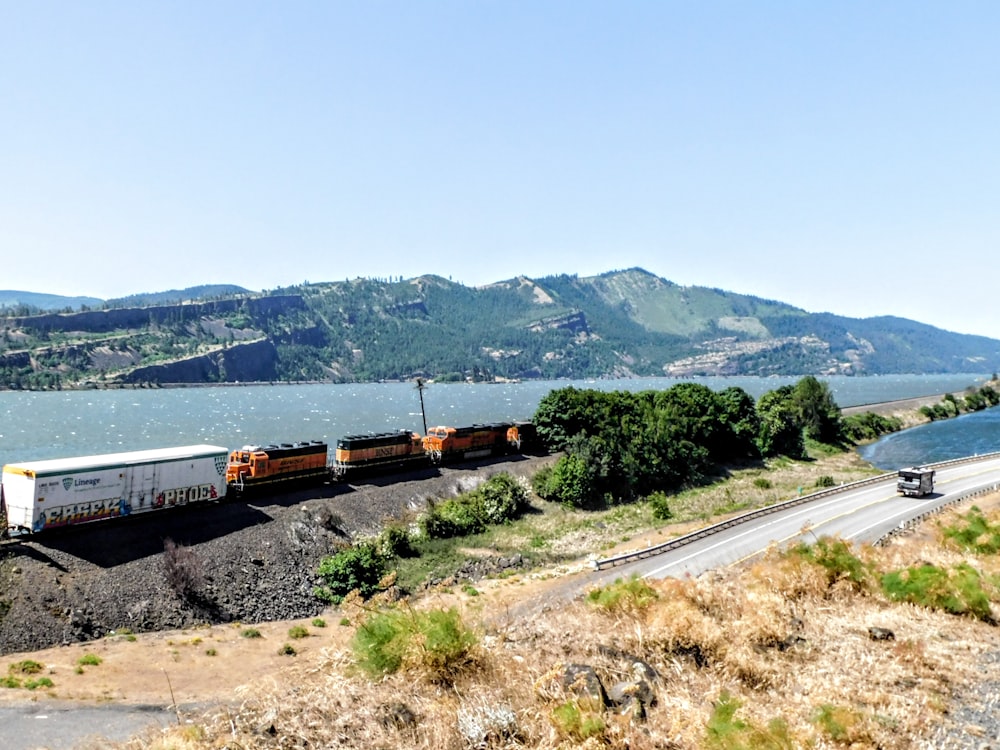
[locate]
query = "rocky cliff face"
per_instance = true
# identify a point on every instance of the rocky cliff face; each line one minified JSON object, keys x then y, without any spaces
{"x":103,"y":321}
{"x":253,"y":362}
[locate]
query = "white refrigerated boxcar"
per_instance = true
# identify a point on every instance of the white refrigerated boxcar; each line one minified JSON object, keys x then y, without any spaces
{"x":47,"y":494}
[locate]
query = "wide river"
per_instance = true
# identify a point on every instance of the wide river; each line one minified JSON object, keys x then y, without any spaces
{"x":56,"y":424}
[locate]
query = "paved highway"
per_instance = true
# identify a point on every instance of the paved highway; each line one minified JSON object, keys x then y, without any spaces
{"x":862,"y":513}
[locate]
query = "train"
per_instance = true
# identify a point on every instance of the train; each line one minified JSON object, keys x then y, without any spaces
{"x":36,"y":496}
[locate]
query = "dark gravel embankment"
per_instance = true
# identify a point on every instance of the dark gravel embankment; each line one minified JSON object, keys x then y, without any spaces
{"x":248,"y":561}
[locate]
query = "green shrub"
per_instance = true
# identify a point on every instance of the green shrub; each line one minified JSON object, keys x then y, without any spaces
{"x":659,"y":506}
{"x":576,"y":723}
{"x":298,"y":631}
{"x":867,"y":426}
{"x":990,"y":395}
{"x":500,"y":499}
{"x":974,"y":533}
{"x":287,"y":650}
{"x":380,"y":642}
{"x":37,"y":683}
{"x":394,"y":541}
{"x":725,"y":731}
{"x":451,"y":518}
{"x":843,"y":725}
{"x":251,"y":633}
{"x":89,"y":660}
{"x":762,"y":483}
{"x":630,"y":595}
{"x":958,"y":592}
{"x":26,"y":666}
{"x":10,"y":681}
{"x":540,"y":482}
{"x":825,"y":481}
{"x":360,"y":568}
{"x":836,"y":557}
{"x":435,"y":641}
{"x":447,"y":643}
{"x":573,"y":482}
{"x":318,"y":622}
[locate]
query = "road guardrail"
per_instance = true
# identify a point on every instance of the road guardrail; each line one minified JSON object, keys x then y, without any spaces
{"x":684,"y":540}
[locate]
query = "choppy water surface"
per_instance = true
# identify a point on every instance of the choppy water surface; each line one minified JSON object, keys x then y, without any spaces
{"x":968,"y":435}
{"x":37,"y":425}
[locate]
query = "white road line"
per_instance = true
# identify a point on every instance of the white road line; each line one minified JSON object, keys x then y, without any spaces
{"x":755,"y":530}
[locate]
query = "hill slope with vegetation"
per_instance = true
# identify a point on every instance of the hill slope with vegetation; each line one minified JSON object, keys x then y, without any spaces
{"x":618,"y":324}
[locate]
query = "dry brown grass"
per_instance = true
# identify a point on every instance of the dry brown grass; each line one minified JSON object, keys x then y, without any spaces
{"x":779,"y":636}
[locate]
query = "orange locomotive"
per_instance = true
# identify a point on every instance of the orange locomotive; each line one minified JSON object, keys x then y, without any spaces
{"x":384,"y":451}
{"x":522,"y":437}
{"x":253,"y":466}
{"x":456,"y":443}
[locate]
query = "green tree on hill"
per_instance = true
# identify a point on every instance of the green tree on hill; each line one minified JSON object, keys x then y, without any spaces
{"x":815,"y":410}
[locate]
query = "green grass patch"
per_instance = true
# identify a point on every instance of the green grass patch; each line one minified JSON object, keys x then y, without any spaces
{"x":89,"y":660}
{"x":838,"y":559}
{"x":26,"y":666}
{"x":298,"y":631}
{"x":631,"y":595}
{"x":726,"y":731}
{"x":434,"y":641}
{"x":959,"y":591}
{"x":974,"y":533}
{"x":817,"y":450}
{"x":251,"y":633}
{"x":537,"y":541}
{"x":577,"y":723}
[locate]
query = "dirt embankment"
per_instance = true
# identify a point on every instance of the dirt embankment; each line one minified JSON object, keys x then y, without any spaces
{"x":250,"y":562}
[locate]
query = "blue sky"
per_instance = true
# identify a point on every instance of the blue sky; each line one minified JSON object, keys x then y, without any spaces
{"x":839,"y":156}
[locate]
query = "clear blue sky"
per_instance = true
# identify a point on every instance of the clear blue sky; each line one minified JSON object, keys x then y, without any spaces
{"x":840,"y":156}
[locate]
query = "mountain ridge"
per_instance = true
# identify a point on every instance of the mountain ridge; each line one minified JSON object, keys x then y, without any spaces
{"x":617,"y":324}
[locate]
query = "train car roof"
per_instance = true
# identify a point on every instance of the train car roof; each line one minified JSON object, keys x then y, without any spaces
{"x":128,"y":458}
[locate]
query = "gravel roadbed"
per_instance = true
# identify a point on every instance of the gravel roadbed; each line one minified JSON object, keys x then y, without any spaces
{"x":252,"y":561}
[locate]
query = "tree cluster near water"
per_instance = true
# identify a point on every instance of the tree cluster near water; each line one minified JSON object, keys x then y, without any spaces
{"x":620,"y":446}
{"x":975,"y":399}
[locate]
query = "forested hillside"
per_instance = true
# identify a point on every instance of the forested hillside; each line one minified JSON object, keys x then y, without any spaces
{"x":618,"y":324}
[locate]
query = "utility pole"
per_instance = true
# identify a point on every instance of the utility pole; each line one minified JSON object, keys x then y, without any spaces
{"x":420,"y":389}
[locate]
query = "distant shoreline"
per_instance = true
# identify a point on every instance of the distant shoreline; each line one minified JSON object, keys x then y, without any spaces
{"x":899,"y":405}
